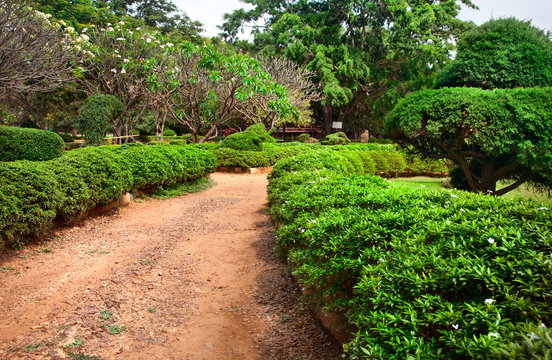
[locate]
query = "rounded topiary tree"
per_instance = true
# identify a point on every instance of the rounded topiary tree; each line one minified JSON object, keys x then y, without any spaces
{"x":502,"y":53}
{"x":95,"y":116}
{"x":29,"y":144}
{"x":491,"y":135}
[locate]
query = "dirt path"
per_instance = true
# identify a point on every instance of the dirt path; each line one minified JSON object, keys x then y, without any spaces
{"x":187,"y":278}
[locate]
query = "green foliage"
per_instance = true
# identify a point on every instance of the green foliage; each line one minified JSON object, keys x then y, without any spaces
{"x":338,"y":138}
{"x":260,"y":131}
{"x":67,"y":138}
{"x":33,"y":194}
{"x":502,"y":53}
{"x":169,"y":132}
{"x":29,"y":144}
{"x":267,"y":157}
{"x":95,"y":115}
{"x":247,"y":141}
{"x":421,"y":274}
{"x":498,"y":134}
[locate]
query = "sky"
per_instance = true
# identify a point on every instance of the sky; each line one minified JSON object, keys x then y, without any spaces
{"x":210,"y":12}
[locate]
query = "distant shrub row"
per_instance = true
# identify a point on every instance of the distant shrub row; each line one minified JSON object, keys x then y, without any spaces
{"x":421,"y":274}
{"x":386,"y":160}
{"x":29,"y":144}
{"x":33,"y":194}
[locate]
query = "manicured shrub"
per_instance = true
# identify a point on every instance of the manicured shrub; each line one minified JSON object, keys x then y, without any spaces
{"x":421,"y":274}
{"x":260,"y":131}
{"x":29,"y":144}
{"x":95,"y":115}
{"x":338,"y":138}
{"x":169,"y":132}
{"x":33,"y":194}
{"x":67,"y":138}
{"x":248,"y":141}
{"x":178,"y":142}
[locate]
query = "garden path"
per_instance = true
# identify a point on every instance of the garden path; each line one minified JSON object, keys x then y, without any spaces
{"x":192,"y":277}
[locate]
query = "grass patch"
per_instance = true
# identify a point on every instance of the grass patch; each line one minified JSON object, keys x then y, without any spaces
{"x":190,"y":187}
{"x":426,"y":183}
{"x":523,"y":192}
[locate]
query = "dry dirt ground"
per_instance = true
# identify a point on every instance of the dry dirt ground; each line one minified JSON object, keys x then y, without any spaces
{"x":192,"y":277}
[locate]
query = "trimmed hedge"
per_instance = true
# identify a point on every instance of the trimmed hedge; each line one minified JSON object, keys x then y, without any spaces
{"x":33,"y":194}
{"x":421,"y":274}
{"x":29,"y":144}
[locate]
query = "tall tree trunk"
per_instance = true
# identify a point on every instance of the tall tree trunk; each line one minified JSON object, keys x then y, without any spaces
{"x":328,"y":118}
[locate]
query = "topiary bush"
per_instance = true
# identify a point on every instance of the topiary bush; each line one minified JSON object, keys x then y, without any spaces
{"x":169,"y":132}
{"x":67,"y":138}
{"x":502,"y":53}
{"x":29,"y":144}
{"x":95,"y":116}
{"x":247,"y":141}
{"x":420,"y":274}
{"x":33,"y":194}
{"x":260,"y":131}
{"x":338,"y":138}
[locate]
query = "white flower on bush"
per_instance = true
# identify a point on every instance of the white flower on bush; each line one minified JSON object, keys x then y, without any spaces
{"x":123,"y":71}
{"x":489,"y":301}
{"x":125,"y":60}
{"x":138,"y":28}
{"x":114,"y":71}
{"x":493,"y":334}
{"x":109,"y":28}
{"x":121,"y":22}
{"x":454,"y":196}
{"x":455,"y":326}
{"x":120,"y":39}
{"x":543,"y":326}
{"x":491,"y":240}
{"x":542,"y":208}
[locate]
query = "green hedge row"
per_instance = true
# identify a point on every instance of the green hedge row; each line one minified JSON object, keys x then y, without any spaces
{"x":421,"y":274}
{"x":29,"y":144}
{"x":386,"y":160}
{"x":34,"y":194}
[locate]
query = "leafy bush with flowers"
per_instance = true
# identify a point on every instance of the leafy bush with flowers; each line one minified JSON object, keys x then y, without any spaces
{"x":420,"y":274}
{"x":34,"y":194}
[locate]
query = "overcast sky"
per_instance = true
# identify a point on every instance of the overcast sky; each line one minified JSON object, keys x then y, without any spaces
{"x":210,"y":12}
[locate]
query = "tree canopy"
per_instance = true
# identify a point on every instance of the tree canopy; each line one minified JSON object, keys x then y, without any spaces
{"x":491,"y":135}
{"x":361,"y":51}
{"x":502,"y":53}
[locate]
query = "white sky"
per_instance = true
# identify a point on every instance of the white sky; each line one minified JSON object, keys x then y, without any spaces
{"x":210,"y":12}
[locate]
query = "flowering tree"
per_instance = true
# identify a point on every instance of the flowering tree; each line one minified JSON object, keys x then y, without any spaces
{"x":211,"y":83}
{"x":115,"y":59}
{"x":300,"y":89}
{"x":35,"y":54}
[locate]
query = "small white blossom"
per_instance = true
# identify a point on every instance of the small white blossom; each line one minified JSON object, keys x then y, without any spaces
{"x":170,"y":44}
{"x":84,"y":30}
{"x":491,"y":240}
{"x":125,"y":60}
{"x":532,"y":336}
{"x":489,"y":301}
{"x":455,"y":326}
{"x":148,"y":40}
{"x":121,"y":22}
{"x":543,"y":326}
{"x":454,"y":196}
{"x":123,"y":71}
{"x":493,"y":334}
{"x":138,"y":28}
{"x":108,"y":24}
{"x":490,"y":191}
{"x":114,"y":71}
{"x":109,"y":28}
{"x":121,"y":39}
{"x":542,"y":208}
{"x":381,"y":260}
